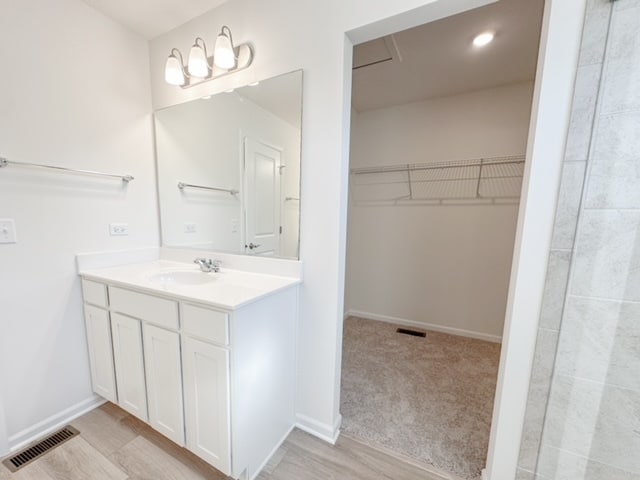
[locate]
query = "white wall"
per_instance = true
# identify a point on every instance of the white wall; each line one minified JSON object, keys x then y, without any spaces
{"x":75,"y":93}
{"x":200,"y":142}
{"x":287,"y":35}
{"x":440,"y":266}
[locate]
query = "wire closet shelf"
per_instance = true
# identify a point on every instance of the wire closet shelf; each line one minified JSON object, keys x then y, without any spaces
{"x":480,"y":180}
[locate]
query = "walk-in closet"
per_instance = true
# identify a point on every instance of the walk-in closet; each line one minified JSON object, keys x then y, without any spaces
{"x":440,"y":121}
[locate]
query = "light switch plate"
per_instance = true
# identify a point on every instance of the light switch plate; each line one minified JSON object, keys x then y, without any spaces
{"x":118,"y":229}
{"x":7,"y":230}
{"x":189,"y":228}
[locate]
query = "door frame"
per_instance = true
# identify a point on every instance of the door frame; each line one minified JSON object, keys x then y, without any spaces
{"x":553,"y":94}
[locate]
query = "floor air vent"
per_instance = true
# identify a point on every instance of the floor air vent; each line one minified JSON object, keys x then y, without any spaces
{"x":413,"y":333}
{"x":34,"y":452}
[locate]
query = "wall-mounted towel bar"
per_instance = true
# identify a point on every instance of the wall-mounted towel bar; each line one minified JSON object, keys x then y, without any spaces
{"x":125,"y":178}
{"x":291,"y":199}
{"x":182,"y":186}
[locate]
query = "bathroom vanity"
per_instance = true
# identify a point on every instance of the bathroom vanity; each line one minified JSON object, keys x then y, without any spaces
{"x":206,"y":359}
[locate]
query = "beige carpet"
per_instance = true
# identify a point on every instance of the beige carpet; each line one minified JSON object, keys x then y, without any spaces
{"x":427,"y":398}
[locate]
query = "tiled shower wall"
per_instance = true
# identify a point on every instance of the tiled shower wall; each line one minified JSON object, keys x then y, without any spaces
{"x":583,"y":412}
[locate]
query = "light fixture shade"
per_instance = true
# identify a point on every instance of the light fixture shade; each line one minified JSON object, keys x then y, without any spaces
{"x":198,"y":65}
{"x":174,"y":71}
{"x":223,"y":54}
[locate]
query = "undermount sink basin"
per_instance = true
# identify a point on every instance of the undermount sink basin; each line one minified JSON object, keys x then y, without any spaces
{"x":181,"y":278}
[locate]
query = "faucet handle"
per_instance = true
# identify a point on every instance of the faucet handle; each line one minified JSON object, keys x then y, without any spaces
{"x":216,"y":264}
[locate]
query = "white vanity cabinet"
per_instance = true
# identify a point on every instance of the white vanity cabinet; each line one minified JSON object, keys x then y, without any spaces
{"x":98,"y":328}
{"x":129,"y":363}
{"x":218,"y":381}
{"x":205,"y":360}
{"x":206,"y":395}
{"x":146,"y":347}
{"x":164,"y":381}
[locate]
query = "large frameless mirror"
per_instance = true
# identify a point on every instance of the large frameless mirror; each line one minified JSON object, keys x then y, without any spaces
{"x":229,"y":170}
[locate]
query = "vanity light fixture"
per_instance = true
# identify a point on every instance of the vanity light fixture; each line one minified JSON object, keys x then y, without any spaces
{"x":201,"y":67}
{"x":483,"y":39}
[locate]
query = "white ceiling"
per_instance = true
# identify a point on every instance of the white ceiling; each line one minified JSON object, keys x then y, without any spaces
{"x":437,"y":59}
{"x":151,"y":18}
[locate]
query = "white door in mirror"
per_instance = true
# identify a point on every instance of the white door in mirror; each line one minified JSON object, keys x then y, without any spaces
{"x":262,"y":166}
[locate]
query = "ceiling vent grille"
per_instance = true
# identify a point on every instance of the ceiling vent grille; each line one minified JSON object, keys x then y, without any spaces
{"x":30,"y":454}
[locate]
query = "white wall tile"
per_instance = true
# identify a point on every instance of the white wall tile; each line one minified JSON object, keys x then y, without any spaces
{"x":600,"y":341}
{"x":621,"y":92}
{"x":522,"y":474}
{"x":607,"y":258}
{"x":615,"y":171}
{"x":562,"y":465}
{"x":555,"y":289}
{"x":568,"y":204}
{"x":621,"y":75}
{"x":594,"y":420}
{"x":625,"y":4}
{"x":583,"y":111}
{"x":624,"y":41}
{"x":537,"y":400}
{"x":595,"y":32}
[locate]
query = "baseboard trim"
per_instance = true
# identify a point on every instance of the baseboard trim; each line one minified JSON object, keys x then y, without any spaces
{"x":272,"y":453}
{"x":48,"y":425}
{"x":428,"y":326}
{"x":324,"y":431}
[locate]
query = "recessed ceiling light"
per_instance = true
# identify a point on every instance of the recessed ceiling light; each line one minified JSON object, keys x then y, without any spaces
{"x":485,"y":38}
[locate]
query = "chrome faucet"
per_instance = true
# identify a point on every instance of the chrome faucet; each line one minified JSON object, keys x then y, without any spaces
{"x":208,"y":265}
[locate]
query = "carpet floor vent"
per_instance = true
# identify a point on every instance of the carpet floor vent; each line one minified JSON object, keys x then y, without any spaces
{"x":413,"y":333}
{"x":28,"y":455}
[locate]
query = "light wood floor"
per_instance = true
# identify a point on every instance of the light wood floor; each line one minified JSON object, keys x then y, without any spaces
{"x":115,"y":445}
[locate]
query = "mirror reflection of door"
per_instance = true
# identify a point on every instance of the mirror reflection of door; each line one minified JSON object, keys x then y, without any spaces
{"x":262,"y":198}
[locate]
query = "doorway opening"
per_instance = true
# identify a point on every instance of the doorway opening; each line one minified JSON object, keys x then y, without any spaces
{"x":438,"y":138}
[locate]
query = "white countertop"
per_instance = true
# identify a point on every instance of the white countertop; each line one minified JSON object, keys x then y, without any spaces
{"x":229,"y":289}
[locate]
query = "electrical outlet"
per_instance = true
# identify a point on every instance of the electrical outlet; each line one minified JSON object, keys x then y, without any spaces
{"x":189,"y":228}
{"x":7,"y":230}
{"x":116,"y":229}
{"x":234,"y":225}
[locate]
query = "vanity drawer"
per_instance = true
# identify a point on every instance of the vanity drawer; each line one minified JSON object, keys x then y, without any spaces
{"x":205,"y":323}
{"x":94,"y":293}
{"x":160,"y":311}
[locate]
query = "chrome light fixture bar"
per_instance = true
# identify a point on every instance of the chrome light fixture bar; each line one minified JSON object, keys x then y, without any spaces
{"x":201,"y":67}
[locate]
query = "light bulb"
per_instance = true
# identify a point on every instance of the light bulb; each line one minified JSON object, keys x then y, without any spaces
{"x":483,"y":39}
{"x":223,"y":54}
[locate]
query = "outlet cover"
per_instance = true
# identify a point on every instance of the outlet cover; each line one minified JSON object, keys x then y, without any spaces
{"x":189,"y":228}
{"x":7,"y":230}
{"x":118,"y":229}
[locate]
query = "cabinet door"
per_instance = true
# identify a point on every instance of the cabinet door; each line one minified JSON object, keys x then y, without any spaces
{"x":127,"y":353}
{"x":164,"y":381}
{"x":103,"y":376}
{"x":206,"y":396}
